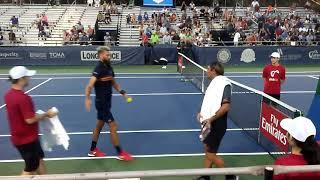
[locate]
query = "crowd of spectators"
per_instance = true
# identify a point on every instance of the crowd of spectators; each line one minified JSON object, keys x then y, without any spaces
{"x":42,"y":24}
{"x":276,"y":27}
{"x":104,"y":16}
{"x":252,"y":27}
{"x":165,"y":27}
{"x":78,"y":35}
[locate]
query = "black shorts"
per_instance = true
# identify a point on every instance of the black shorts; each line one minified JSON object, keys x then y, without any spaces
{"x":213,"y":140}
{"x":104,"y":111}
{"x":31,"y":154}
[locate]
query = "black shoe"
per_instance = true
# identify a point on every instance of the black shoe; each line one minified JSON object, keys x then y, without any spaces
{"x":203,"y":178}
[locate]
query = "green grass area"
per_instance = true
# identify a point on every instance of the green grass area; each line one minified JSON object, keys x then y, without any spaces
{"x":108,"y":165}
{"x":153,"y":69}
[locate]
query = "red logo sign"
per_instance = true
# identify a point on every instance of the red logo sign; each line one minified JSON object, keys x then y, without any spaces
{"x":270,"y":126}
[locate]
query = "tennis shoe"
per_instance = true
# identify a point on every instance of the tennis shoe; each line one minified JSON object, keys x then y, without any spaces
{"x":125,"y":156}
{"x":96,"y":153}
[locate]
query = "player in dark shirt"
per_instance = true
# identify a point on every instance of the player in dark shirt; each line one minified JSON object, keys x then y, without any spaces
{"x":103,"y":81}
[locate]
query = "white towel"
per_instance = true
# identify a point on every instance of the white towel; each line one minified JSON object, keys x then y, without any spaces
{"x":213,"y":97}
{"x":53,"y":132}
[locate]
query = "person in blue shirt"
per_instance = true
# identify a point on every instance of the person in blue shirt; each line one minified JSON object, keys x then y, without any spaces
{"x":140,"y":18}
{"x":146,"y":16}
{"x":14,"y":21}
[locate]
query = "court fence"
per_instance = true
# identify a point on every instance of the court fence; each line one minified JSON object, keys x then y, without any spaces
{"x":267,"y":171}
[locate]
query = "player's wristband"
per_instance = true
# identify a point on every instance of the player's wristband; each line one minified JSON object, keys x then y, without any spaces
{"x":123,"y":92}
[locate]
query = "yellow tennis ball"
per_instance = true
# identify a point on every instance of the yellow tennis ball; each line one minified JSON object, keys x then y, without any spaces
{"x":129,"y":100}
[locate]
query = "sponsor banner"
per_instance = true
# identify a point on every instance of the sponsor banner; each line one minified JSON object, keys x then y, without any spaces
{"x":56,"y":55}
{"x":38,"y":55}
{"x":257,"y":55}
{"x":10,"y":55}
{"x":87,"y":55}
{"x":270,"y":126}
{"x":67,"y":55}
{"x":93,"y":56}
{"x":314,"y":55}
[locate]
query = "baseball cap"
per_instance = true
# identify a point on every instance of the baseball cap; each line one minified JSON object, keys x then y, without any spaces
{"x":275,"y":55}
{"x":299,"y":128}
{"x":18,"y":72}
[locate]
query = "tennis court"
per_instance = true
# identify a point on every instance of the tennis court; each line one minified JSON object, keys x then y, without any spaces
{"x":159,"y":127}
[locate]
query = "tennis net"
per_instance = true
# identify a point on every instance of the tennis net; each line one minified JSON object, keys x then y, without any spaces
{"x":257,"y":113}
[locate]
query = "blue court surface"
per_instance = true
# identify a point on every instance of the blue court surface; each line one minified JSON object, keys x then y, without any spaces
{"x":161,"y":121}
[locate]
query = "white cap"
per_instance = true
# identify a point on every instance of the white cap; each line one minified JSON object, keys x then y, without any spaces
{"x":18,"y":72}
{"x":275,"y":55}
{"x":299,"y":128}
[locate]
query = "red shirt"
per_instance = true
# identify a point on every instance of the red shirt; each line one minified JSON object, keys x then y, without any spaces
{"x":273,"y":76}
{"x":19,"y":108}
{"x":294,"y":160}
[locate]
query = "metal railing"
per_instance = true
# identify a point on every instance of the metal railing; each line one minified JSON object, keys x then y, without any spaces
{"x":267,"y":171}
{"x":204,"y":44}
{"x":59,"y":43}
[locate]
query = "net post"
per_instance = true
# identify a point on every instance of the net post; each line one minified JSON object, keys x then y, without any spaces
{"x":297,"y":114}
{"x":268,"y":173}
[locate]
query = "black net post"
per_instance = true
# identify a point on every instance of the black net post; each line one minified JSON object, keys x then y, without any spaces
{"x":297,"y":114}
{"x":268,"y":173}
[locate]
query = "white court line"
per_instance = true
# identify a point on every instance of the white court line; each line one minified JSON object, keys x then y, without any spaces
{"x":68,"y":74}
{"x":147,"y":156}
{"x":313,"y":77}
{"x":35,"y":87}
{"x":148,"y":131}
{"x":164,"y":73}
{"x":161,"y":77}
{"x":92,"y":95}
{"x":298,"y":92}
{"x":260,"y":72}
{"x":259,"y":76}
{"x":158,"y":94}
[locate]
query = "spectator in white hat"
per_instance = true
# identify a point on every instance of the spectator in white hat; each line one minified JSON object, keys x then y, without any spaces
{"x":304,"y":148}
{"x":274,"y":75}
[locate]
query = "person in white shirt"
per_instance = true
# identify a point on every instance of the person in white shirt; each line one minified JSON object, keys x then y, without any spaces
{"x":163,"y":30}
{"x":167,"y":39}
{"x":192,"y":6}
{"x":236,"y":38}
{"x":90,"y":3}
{"x":254,"y":4}
{"x":96,"y":3}
{"x":214,"y":114}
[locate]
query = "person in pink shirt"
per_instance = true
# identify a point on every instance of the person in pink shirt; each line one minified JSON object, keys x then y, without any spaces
{"x":44,"y":19}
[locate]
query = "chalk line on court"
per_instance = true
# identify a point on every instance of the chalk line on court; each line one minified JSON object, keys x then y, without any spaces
{"x":149,"y":131}
{"x":158,"y":94}
{"x":314,"y":77}
{"x":141,"y":94}
{"x":164,"y":73}
{"x":35,"y":87}
{"x":149,"y":156}
{"x":164,"y":77}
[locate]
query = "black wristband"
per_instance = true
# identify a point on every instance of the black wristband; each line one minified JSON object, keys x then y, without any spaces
{"x":123,"y":92}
